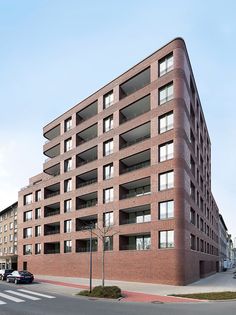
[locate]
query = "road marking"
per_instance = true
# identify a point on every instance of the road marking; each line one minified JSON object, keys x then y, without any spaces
{"x":33,"y":298}
{"x":38,"y":294}
{"x":11,"y":298}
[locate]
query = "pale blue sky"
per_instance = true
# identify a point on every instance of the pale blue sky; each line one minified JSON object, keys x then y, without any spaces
{"x":54,"y":53}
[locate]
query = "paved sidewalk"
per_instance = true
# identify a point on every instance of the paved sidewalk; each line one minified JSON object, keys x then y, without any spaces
{"x":147,"y":292}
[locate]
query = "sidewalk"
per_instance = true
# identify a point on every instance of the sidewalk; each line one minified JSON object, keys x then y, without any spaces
{"x":147,"y":292}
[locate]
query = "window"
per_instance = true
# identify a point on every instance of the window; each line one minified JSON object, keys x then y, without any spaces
{"x":108,"y":171}
{"x":166,"y":180}
{"x":37,"y":213}
{"x":68,"y":124}
{"x":67,"y":205}
{"x":11,"y":225}
{"x":68,"y":185}
{"x":166,"y":93}
{"x":166,"y":122}
{"x":5,"y":250}
{"x":0,"y":240}
{"x":38,"y":248}
{"x":142,"y":216}
{"x":192,"y":216}
{"x":5,"y":228}
{"x":27,"y":232}
{"x":108,"y":195}
{"x":192,"y":242}
{"x":28,"y":199}
{"x":108,"y":219}
{"x":11,"y":237}
{"x":108,"y":99}
{"x":192,"y":191}
{"x":166,"y":64}
{"x":38,"y":230}
{"x":0,"y":229}
{"x":68,"y":145}
{"x":67,"y":165}
{"x":67,"y":246}
{"x":38,"y":195}
{"x":68,"y":226}
{"x":108,"y":123}
{"x":27,"y":249}
{"x":108,"y":243}
{"x":166,"y":209}
{"x":166,"y":151}
{"x":5,"y":239}
{"x":108,"y":147}
{"x":143,"y":242}
{"x":166,"y":239}
{"x":10,"y":250}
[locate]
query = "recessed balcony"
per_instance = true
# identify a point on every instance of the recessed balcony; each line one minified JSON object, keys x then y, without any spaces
{"x":52,"y":228}
{"x":134,"y":215}
{"x":83,"y":246}
{"x":87,"y":112}
{"x":135,"y":135}
{"x":52,"y":248}
{"x":52,"y":209}
{"x":135,"y":109}
{"x":52,"y":152}
{"x":137,"y":188}
{"x":53,"y":170}
{"x":135,"y":242}
{"x":86,"y":223}
{"x":52,"y":191}
{"x":135,"y":83}
{"x":87,"y":178}
{"x":135,"y":162}
{"x":52,"y":133}
{"x":87,"y":135}
{"x":86,"y":201}
{"x":87,"y":156}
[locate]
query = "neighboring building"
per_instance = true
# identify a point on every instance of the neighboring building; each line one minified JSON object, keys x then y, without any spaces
{"x":8,"y":237}
{"x":223,"y":239}
{"x":135,"y":155}
{"x":229,"y":251}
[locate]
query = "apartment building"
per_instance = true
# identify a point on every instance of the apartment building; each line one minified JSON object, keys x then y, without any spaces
{"x":8,"y":237}
{"x":135,"y":156}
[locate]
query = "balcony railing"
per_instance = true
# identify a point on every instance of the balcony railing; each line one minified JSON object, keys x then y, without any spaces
{"x":51,"y":213}
{"x":52,"y":232}
{"x":87,"y":227}
{"x":91,"y":203}
{"x":52,"y":251}
{"x":52,"y":194}
{"x":145,"y":190}
{"x":133,"y":247}
{"x":86,"y":161}
{"x":134,"y":115}
{"x":86,"y":249}
{"x":135,"y":167}
{"x":89,"y":182}
{"x":127,"y":144}
{"x":133,"y":221}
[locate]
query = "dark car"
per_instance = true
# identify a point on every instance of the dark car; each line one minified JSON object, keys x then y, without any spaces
{"x":5,"y":273}
{"x":20,"y":277}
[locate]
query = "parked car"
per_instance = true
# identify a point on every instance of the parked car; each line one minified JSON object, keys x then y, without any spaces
{"x":20,"y":277}
{"x":5,"y":273}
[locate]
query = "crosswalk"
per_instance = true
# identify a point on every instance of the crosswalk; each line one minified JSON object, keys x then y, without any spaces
{"x":22,"y":295}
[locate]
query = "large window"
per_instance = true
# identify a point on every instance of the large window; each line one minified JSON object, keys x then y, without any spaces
{"x":67,"y":205}
{"x":166,"y":239}
{"x":27,"y":215}
{"x":108,"y":147}
{"x":108,"y":219}
{"x":28,"y":199}
{"x":38,"y":249}
{"x":108,"y":99}
{"x":108,"y":123}
{"x":108,"y":171}
{"x":68,"y":226}
{"x":68,"y":246}
{"x":68,"y":145}
{"x":166,"y":64}
{"x":166,"y":122}
{"x":108,"y":195}
{"x":37,"y":213}
{"x":143,"y":242}
{"x":28,"y":232}
{"x":38,"y":195}
{"x":68,"y":185}
{"x":108,"y":243}
{"x":67,"y":165}
{"x":166,"y":93}
{"x":27,"y":249}
{"x":192,"y":216}
{"x":166,"y":151}
{"x":192,"y":242}
{"x":166,"y":209}
{"x":38,"y":230}
{"x":68,"y":124}
{"x":166,"y":180}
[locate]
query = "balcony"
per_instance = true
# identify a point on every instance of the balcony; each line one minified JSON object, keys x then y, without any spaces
{"x":87,"y":135}
{"x":52,"y":134}
{"x":86,"y":156}
{"x":83,"y":246}
{"x":52,"y":191}
{"x":52,"y":228}
{"x":137,"y":188}
{"x":52,"y":152}
{"x":135,"y":242}
{"x":52,"y":209}
{"x":135,"y":135}
{"x":87,"y":112}
{"x":134,"y":215}
{"x":52,"y":248}
{"x":86,"y":201}
{"x":87,"y":178}
{"x":135,"y":162}
{"x":86,"y":223}
{"x":134,"y":84}
{"x":54,"y":170}
{"x":135,"y":109}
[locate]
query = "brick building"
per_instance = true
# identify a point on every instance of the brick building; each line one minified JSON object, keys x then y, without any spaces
{"x":135,"y":156}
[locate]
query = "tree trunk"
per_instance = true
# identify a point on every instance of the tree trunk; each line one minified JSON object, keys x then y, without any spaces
{"x":103,"y":263}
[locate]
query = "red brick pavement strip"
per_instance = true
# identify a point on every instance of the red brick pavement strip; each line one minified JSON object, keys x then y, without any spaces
{"x":130,"y":296}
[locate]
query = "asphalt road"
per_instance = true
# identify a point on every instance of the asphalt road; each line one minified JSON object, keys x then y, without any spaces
{"x":40,"y":300}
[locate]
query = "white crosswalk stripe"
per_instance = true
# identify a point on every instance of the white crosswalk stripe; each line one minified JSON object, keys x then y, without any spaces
{"x":37,"y":294}
{"x":11,"y":298}
{"x":33,"y":298}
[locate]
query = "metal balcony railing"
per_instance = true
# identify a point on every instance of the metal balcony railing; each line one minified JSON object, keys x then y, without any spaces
{"x":135,"y":167}
{"x":88,"y":182}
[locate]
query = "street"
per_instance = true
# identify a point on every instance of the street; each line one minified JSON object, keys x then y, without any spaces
{"x":47,"y":299}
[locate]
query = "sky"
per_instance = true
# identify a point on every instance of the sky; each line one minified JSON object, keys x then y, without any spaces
{"x":55,"y":53}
